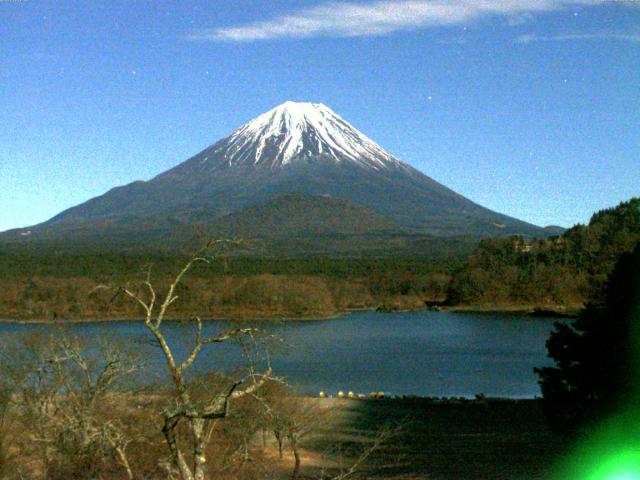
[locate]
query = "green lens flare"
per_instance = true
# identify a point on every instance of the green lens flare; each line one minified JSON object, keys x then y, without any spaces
{"x":621,"y":466}
{"x":613,"y":453}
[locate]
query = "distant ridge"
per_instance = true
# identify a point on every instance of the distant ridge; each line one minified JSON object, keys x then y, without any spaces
{"x":554,"y":230}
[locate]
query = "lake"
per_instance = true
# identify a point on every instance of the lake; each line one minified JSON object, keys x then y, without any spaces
{"x":417,"y":353}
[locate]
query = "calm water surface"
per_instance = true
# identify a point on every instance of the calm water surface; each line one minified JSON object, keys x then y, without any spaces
{"x":421,"y":353}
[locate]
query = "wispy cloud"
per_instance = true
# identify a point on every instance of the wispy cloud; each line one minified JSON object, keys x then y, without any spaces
{"x":626,"y":37}
{"x":520,"y":19}
{"x":351,"y":19}
{"x":453,"y":41}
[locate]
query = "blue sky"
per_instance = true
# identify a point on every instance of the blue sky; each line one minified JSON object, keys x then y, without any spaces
{"x":528,"y":107}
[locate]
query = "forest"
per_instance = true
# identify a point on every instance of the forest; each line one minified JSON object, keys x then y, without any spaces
{"x":560,"y":271}
{"x":506,"y":273}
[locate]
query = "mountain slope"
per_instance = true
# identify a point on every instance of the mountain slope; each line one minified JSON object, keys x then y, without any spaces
{"x":290,"y":225}
{"x":296,"y":147}
{"x":298,"y":214}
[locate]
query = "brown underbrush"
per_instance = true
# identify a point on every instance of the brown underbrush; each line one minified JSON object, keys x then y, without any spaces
{"x":47,"y":298}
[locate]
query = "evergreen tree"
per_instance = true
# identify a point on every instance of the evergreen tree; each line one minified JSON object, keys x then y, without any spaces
{"x":597,"y":360}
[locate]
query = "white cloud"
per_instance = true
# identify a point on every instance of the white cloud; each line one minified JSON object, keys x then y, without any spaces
{"x":627,"y":37}
{"x":380,"y":17}
{"x":520,"y":19}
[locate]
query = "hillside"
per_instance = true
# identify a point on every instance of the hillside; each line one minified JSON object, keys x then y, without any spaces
{"x":289,"y":226}
{"x":298,"y":214}
{"x":563,"y":270}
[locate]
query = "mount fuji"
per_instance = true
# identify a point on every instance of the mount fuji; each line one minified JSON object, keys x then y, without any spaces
{"x":301,"y":148}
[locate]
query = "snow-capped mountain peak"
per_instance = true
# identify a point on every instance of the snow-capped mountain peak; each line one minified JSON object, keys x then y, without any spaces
{"x":298,"y":131}
{"x":301,"y":148}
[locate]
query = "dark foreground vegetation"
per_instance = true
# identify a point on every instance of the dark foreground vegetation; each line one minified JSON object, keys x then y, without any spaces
{"x":597,"y":357}
{"x":452,"y":440}
{"x":557,"y":274}
{"x":76,"y":410}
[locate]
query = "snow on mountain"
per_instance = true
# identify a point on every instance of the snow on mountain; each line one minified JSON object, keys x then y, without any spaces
{"x":294,"y":131}
{"x":302,"y":148}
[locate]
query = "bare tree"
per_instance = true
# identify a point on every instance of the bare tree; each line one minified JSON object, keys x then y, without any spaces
{"x":291,"y":418}
{"x":31,"y":388}
{"x":59,"y":389}
{"x":356,"y":466}
{"x":84,"y":389}
{"x":199,"y":415}
{"x":5,"y":399}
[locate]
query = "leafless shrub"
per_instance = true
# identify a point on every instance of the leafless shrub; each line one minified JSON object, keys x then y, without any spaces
{"x":191,"y":417}
{"x":5,"y":398}
{"x":368,"y":449}
{"x":290,"y":418}
{"x":59,"y":392}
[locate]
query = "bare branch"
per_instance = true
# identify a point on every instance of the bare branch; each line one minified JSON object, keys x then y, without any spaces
{"x":147,"y":308}
{"x":197,"y":346}
{"x":170,"y":297}
{"x":199,"y":416}
{"x":234,"y":333}
{"x":383,"y":435}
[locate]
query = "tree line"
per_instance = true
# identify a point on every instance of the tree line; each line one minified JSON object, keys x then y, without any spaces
{"x":559,"y":273}
{"x":564,"y":270}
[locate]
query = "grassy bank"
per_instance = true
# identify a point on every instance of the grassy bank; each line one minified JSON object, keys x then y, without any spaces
{"x":472,"y":440}
{"x":544,"y":310}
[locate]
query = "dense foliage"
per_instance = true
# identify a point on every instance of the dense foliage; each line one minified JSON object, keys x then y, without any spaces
{"x":563,"y":270}
{"x":596,"y":357}
{"x":62,"y":286}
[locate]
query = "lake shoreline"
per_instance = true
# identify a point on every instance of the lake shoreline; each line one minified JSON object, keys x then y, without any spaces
{"x":364,"y":351}
{"x":519,"y":310}
{"x":555,"y":311}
